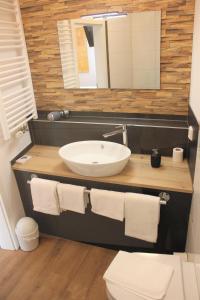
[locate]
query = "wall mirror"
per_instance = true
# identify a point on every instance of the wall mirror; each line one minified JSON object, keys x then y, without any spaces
{"x":119,"y":51}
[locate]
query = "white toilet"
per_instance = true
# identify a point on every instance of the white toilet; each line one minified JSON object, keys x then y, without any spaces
{"x":185,"y":284}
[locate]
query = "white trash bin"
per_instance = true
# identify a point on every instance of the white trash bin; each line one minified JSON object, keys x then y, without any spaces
{"x":27,"y":233}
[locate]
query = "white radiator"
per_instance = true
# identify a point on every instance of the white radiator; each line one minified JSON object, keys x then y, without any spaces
{"x":17,"y":102}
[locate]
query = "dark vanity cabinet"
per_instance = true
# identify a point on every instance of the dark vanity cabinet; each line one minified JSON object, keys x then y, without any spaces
{"x":99,"y":230}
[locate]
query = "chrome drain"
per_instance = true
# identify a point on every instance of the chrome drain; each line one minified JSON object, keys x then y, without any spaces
{"x":95,"y":162}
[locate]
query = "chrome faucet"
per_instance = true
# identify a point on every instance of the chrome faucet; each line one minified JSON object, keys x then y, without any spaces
{"x":119,"y":129}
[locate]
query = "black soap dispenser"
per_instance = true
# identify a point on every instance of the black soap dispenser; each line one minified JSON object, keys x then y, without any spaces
{"x":155,"y":158}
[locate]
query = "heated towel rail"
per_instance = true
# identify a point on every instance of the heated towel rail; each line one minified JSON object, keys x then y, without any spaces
{"x":17,"y":102}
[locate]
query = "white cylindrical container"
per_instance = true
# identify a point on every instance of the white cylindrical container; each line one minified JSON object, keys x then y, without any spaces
{"x":178,"y":154}
{"x":27,"y":233}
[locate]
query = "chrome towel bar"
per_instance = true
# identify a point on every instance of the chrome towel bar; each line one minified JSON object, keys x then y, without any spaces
{"x":164,"y":197}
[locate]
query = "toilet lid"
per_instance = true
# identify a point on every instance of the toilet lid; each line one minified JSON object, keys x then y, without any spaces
{"x":176,"y":288}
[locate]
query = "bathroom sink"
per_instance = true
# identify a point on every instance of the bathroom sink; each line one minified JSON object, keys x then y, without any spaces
{"x":95,"y":158}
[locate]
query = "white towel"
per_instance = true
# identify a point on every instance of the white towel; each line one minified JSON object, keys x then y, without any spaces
{"x":72,"y":197}
{"x":44,"y":196}
{"x":142,"y":276}
{"x":108,"y":203}
{"x":142,"y":215}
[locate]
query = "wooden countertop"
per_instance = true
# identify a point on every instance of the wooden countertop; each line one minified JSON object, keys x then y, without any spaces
{"x":138,"y":172}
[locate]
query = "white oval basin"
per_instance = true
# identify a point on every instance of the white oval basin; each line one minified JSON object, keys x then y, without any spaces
{"x":95,"y":158}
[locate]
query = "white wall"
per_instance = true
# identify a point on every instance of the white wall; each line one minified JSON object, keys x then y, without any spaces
{"x":193,"y":242}
{"x":8,"y":187}
{"x":6,"y":240}
{"x":195,"y":79}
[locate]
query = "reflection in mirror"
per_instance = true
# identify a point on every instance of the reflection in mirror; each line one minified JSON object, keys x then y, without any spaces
{"x":120,"y":52}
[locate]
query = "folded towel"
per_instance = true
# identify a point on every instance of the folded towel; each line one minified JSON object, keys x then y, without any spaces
{"x":142,"y":215}
{"x":72,"y":197}
{"x":142,"y":276}
{"x":108,"y":203}
{"x":44,"y":196}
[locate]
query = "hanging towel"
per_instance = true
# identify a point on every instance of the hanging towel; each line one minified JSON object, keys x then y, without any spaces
{"x":142,"y":215}
{"x":108,"y":203}
{"x":142,"y":276}
{"x":72,"y":197}
{"x":44,"y":196}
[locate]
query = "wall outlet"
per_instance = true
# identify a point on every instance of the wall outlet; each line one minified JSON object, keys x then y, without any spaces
{"x":191,"y":133}
{"x":23,"y":159}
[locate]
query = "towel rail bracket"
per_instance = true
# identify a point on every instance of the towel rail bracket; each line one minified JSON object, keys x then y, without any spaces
{"x":164,"y":197}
